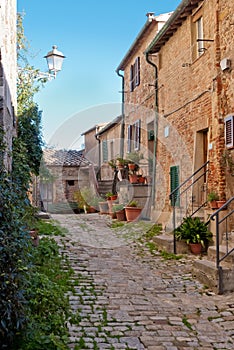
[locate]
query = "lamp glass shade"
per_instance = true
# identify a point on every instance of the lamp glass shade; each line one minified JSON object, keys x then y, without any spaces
{"x":54,"y":59}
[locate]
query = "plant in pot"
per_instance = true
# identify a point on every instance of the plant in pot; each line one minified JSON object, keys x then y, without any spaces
{"x":120,"y":163}
{"x":132,"y":211}
{"x":133,"y":177}
{"x":212,"y":198}
{"x":195,"y":233}
{"x":119,"y":210}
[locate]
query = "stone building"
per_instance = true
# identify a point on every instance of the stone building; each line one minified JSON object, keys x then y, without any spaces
{"x":8,"y":73}
{"x":192,"y":54}
{"x":60,"y":178}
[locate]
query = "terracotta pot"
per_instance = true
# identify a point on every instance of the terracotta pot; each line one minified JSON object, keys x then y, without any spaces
{"x":195,"y":248}
{"x":120,"y":215}
{"x":131,"y":166}
{"x":213,"y":205}
{"x":132,"y":213}
{"x":221,"y":203}
{"x":133,"y":179}
{"x":141,"y":179}
{"x":114,"y":197}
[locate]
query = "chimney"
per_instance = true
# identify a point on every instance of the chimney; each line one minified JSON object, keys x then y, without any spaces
{"x":150,"y":16}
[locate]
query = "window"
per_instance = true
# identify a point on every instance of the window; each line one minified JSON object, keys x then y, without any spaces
{"x":135,"y":74}
{"x":129,"y":138}
{"x":200,"y":43}
{"x":136,"y":138}
{"x":104,"y":151}
{"x":71,"y":182}
{"x":174,"y":182}
{"x":229,"y":131}
{"x":197,"y":34}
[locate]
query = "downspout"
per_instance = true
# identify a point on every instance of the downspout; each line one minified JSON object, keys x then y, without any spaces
{"x":99,"y":156}
{"x":155,"y":129}
{"x":121,"y":151}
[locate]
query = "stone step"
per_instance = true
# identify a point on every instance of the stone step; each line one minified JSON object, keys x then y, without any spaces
{"x":211,"y":253}
{"x":207,"y":273}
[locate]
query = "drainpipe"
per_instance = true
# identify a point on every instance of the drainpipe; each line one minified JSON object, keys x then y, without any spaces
{"x":155,"y":129}
{"x":99,"y":156}
{"x":121,"y":151}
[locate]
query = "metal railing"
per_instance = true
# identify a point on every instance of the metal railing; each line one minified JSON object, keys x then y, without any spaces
{"x":184,"y":195}
{"x":218,"y":221}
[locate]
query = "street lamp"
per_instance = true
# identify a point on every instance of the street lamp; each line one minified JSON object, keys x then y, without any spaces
{"x":54,"y":61}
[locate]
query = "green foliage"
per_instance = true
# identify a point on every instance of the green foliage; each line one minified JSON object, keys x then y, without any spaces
{"x":48,"y":304}
{"x":117,"y":207}
{"x":14,"y":261}
{"x":49,"y":228}
{"x":193,"y":230}
{"x":133,"y":203}
{"x":212,"y":196}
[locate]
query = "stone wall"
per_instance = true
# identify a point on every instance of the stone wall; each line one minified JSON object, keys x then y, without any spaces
{"x":8,"y":73}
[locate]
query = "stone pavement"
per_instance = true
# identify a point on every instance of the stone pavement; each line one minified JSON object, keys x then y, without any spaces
{"x":127,"y":298}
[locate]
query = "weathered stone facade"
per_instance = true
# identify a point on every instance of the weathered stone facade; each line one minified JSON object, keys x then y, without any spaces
{"x":8,"y":73}
{"x":183,"y":97}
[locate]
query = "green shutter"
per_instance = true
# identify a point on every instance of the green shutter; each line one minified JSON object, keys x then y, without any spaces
{"x":174,"y":180}
{"x":104,"y":151}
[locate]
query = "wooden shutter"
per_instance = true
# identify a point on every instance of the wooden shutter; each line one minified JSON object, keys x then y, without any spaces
{"x":137,"y":71}
{"x":104,"y":151}
{"x":137,"y":134}
{"x":131,"y":78}
{"x":129,"y":140}
{"x":174,"y":182}
{"x":229,"y":131}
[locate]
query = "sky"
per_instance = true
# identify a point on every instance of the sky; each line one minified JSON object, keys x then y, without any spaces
{"x":94,"y":36}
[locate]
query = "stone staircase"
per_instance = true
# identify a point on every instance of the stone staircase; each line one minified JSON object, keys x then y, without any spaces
{"x":219,"y":280}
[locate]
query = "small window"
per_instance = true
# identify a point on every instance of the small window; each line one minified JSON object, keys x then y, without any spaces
{"x":229,"y":131}
{"x":71,"y":182}
{"x":135,"y":74}
{"x":104,"y":151}
{"x":200,"y":42}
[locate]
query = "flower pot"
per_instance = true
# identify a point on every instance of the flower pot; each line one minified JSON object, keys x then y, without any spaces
{"x":213,"y":204}
{"x":131,"y":166}
{"x":114,"y":197}
{"x":104,"y":209}
{"x":195,"y":248}
{"x":120,"y":215}
{"x":132,"y":213}
{"x":221,"y":203}
{"x":133,"y":179}
{"x":141,"y":179}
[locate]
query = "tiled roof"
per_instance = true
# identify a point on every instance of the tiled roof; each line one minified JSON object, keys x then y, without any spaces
{"x":55,"y":157}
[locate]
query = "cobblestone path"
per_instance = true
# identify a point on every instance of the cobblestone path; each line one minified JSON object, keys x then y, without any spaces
{"x":126,"y":298}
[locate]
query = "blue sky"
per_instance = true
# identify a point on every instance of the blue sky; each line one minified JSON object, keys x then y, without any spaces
{"x":94,"y":36}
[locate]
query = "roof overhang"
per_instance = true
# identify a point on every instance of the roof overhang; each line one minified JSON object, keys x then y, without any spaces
{"x":184,"y":9}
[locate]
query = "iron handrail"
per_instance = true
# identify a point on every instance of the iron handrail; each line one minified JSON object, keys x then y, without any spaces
{"x":218,"y":222}
{"x":175,"y":194}
{"x":190,"y":177}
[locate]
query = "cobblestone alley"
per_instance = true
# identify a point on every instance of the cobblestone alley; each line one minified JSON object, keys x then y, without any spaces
{"x":127,"y":298}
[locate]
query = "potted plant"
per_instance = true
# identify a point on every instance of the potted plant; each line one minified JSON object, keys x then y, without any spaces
{"x":120,"y":162}
{"x":132,"y":211}
{"x":212,"y":198}
{"x":133,"y":159}
{"x":119,"y":210}
{"x":195,"y":233}
{"x":133,"y":177}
